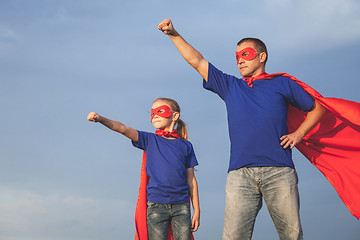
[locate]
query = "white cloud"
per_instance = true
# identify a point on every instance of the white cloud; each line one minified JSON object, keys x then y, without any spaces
{"x":17,"y":210}
{"x":25,"y":213}
{"x":8,"y":35}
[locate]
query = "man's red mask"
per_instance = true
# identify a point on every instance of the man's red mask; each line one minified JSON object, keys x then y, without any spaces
{"x":162,"y":111}
{"x":247,"y":54}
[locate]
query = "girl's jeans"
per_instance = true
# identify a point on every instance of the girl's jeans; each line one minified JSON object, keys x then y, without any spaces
{"x":245,"y":188}
{"x":159,"y":215}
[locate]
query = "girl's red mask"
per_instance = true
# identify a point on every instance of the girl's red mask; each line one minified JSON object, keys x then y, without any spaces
{"x":162,"y":111}
{"x":247,"y":54}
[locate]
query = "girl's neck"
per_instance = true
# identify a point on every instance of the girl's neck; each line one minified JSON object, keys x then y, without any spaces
{"x":167,"y":134}
{"x":168,"y":129}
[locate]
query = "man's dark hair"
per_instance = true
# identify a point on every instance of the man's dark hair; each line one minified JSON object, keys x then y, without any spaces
{"x":259,"y":45}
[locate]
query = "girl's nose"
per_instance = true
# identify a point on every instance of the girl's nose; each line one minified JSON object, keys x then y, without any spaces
{"x":155,"y":116}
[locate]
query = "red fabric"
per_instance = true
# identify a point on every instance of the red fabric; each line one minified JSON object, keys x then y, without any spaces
{"x":247,"y":54}
{"x":140,"y":212}
{"x":168,"y":134}
{"x":333,"y":146}
{"x":162,"y":111}
{"x":250,"y":80}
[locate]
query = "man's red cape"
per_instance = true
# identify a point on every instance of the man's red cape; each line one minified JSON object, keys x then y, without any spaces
{"x":333,"y":146}
{"x":140,"y":212}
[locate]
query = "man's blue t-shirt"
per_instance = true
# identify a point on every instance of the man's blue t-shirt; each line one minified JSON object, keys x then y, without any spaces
{"x":167,"y":161}
{"x":257,"y":117}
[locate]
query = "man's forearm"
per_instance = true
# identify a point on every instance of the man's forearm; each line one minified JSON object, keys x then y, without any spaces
{"x":190,"y":54}
{"x":311,"y":119}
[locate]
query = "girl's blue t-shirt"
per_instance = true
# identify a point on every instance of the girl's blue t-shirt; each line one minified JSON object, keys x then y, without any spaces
{"x":167,"y":161}
{"x":257,"y":117}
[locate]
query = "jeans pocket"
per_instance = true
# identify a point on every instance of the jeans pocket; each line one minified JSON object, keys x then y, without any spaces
{"x":187,"y":207}
{"x":150,"y":204}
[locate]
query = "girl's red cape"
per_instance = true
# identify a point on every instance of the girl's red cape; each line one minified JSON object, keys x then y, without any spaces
{"x":333,"y":146}
{"x":140,"y":212}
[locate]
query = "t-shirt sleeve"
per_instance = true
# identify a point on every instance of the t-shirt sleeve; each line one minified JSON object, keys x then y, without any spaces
{"x":191,"y":161}
{"x":143,"y":140}
{"x":217,"y":82}
{"x":299,"y":98}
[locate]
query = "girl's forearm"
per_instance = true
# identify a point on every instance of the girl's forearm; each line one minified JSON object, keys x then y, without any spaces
{"x":194,"y":195}
{"x":113,"y":125}
{"x":119,"y":127}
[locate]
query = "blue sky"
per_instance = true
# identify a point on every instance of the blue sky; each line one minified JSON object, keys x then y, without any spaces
{"x":62,"y":177}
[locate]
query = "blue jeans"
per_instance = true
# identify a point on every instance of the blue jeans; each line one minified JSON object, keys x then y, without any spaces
{"x":159,"y":216}
{"x":245,"y":188}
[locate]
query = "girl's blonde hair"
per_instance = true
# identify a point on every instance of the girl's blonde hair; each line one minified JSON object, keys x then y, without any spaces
{"x":180,"y":124}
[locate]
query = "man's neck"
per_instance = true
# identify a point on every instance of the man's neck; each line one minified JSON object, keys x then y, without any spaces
{"x":255,"y":74}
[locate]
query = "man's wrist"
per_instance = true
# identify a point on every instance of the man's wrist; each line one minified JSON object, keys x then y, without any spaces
{"x":300,"y":134}
{"x":174,"y":34}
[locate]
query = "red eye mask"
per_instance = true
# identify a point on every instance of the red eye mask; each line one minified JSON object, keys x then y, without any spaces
{"x":247,"y":54}
{"x":162,"y":111}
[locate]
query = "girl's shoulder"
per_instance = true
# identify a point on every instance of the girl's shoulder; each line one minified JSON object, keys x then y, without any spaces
{"x":153,"y":136}
{"x":145,"y":133}
{"x":187,"y":143}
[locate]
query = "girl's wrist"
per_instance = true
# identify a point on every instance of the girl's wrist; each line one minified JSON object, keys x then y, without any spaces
{"x":99,"y":119}
{"x":197,"y":212}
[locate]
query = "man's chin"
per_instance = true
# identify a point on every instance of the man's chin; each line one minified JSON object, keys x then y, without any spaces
{"x":244,"y":73}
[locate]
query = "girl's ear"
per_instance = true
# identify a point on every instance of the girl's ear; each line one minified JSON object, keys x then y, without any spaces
{"x":175,"y":116}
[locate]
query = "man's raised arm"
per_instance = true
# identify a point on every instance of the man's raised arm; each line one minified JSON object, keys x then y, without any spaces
{"x":190,"y":54}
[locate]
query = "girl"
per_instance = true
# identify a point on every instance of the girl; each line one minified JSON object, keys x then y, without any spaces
{"x":170,"y":170}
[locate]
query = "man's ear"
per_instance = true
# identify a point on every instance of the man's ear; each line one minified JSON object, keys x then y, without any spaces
{"x":262,"y":57}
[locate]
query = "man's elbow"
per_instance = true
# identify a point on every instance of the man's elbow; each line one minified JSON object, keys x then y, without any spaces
{"x":318,"y":108}
{"x":202,"y":67}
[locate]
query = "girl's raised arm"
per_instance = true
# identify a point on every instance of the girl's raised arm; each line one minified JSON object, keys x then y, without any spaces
{"x":115,"y":126}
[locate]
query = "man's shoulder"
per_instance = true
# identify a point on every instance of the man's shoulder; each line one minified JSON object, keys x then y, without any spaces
{"x":279,"y":76}
{"x":216,"y":70}
{"x":281,"y":79}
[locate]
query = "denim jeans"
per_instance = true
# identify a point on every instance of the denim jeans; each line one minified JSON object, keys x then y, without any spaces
{"x":160,"y":215}
{"x":245,"y":188}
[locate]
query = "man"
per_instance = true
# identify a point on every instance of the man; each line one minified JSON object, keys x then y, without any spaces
{"x":260,"y":160}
